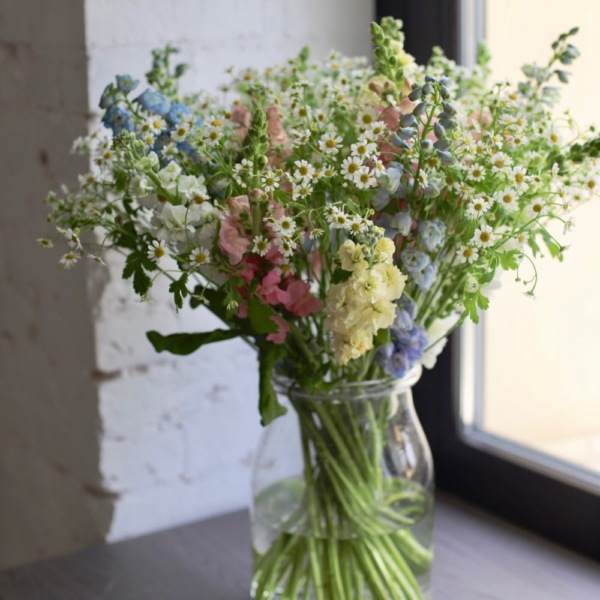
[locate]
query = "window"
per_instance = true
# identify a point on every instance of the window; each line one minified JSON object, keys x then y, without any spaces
{"x":492,"y":442}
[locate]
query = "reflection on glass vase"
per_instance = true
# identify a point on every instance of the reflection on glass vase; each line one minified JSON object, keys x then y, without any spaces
{"x":343,"y":496}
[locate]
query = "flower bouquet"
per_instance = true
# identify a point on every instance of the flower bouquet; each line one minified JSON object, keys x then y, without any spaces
{"x":342,"y":219}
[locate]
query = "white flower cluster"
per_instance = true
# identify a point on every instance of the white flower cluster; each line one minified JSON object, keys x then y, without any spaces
{"x":358,"y":307}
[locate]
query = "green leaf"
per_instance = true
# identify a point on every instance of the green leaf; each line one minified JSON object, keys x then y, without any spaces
{"x":179,"y":290}
{"x":134,"y":266}
{"x":260,"y":315}
{"x":470,"y":302}
{"x":483,"y":301}
{"x":339,"y":275}
{"x":268,"y":403}
{"x":186,"y":343}
{"x":508,"y":260}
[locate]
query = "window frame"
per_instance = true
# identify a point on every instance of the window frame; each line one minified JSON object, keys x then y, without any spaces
{"x":564,"y":513}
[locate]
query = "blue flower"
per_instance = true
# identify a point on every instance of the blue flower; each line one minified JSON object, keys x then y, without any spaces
{"x":405,"y":314}
{"x":402,"y":221}
{"x":154,"y":102}
{"x":107,"y":98}
{"x":118,"y":119}
{"x":432,"y":234}
{"x":407,"y":341}
{"x":177,"y":111}
{"x":414,"y":261}
{"x":425,"y":278}
{"x":126,"y":83}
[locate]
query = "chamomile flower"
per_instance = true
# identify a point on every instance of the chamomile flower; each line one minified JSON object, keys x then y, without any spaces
{"x":181,"y":132}
{"x":45,"y":243}
{"x":304,"y":170}
{"x":484,"y":237}
{"x":69,"y":259}
{"x":300,"y":137}
{"x":330,"y":143}
{"x":364,"y":179}
{"x":536,"y":208}
{"x":284,"y":226}
{"x":260,"y":245}
{"x":157,"y":250}
{"x":568,"y":225}
{"x":199,"y":257}
{"x":286,"y":245}
{"x":518,"y":178}
{"x":152,"y":125}
{"x":592,"y":185}
{"x":302,"y":190}
{"x":359,"y":225}
{"x":338,"y":219}
{"x":365,"y":118}
{"x":73,"y":239}
{"x":270,"y":181}
{"x":284,"y":268}
{"x":350,"y":167}
{"x":477,"y":207}
{"x":363,"y":150}
{"x":213,"y":135}
{"x":467,"y":254}
{"x":476,"y":172}
{"x":500,"y":162}
{"x":508,"y":199}
{"x":242,"y":172}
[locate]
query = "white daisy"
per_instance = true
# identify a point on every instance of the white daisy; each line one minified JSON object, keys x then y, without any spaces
{"x":507,"y":198}
{"x":477,"y":207}
{"x":476,"y":172}
{"x":467,"y":254}
{"x":484,"y":236}
{"x":304,"y":170}
{"x":330,"y":143}
{"x":69,"y":259}
{"x":199,"y":257}
{"x":350,"y":167}
{"x":261,"y":245}
{"x":157,"y":250}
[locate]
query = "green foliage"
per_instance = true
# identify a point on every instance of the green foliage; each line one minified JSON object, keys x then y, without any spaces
{"x":187,"y":343}
{"x":136,"y":265}
{"x":268,"y":404}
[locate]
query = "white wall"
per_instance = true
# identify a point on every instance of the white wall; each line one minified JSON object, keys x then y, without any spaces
{"x":51,"y":499}
{"x":115,"y":438}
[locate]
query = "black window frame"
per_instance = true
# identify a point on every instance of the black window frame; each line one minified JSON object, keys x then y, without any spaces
{"x":563,"y":513}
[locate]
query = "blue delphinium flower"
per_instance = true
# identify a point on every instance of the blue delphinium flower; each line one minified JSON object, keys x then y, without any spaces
{"x":126,"y":83}
{"x":432,"y":234}
{"x":154,"y":102}
{"x":107,"y":98}
{"x":425,"y":278}
{"x":402,"y":222}
{"x":118,"y":119}
{"x":389,"y":184}
{"x":414,"y":261}
{"x":176,"y":111}
{"x":407,"y":341}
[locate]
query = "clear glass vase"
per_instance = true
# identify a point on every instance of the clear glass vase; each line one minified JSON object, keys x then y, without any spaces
{"x":343,"y":496}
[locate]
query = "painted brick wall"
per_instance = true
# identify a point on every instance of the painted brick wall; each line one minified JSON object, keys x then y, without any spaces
{"x":51,"y":499}
{"x":117,"y":440}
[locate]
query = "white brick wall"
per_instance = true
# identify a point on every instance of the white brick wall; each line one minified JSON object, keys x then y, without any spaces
{"x":150,"y":440}
{"x":50,"y":486}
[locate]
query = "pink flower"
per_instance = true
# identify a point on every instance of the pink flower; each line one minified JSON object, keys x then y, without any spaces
{"x":279,"y":336}
{"x":241,"y":115}
{"x":232,"y":239}
{"x":251,"y":267}
{"x":270,"y":291}
{"x":302,"y":303}
{"x":233,"y":244}
{"x":278,"y":137}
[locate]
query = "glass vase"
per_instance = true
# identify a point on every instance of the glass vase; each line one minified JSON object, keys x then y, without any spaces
{"x":343,"y":496}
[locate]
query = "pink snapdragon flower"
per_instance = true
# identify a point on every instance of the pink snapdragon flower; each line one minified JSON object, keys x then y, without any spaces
{"x":302,"y":303}
{"x":232,"y":239}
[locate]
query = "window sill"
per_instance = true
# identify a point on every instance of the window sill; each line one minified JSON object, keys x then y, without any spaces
{"x":477,"y":557}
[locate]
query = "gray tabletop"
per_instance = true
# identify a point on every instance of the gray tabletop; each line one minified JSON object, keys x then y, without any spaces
{"x":477,"y":558}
